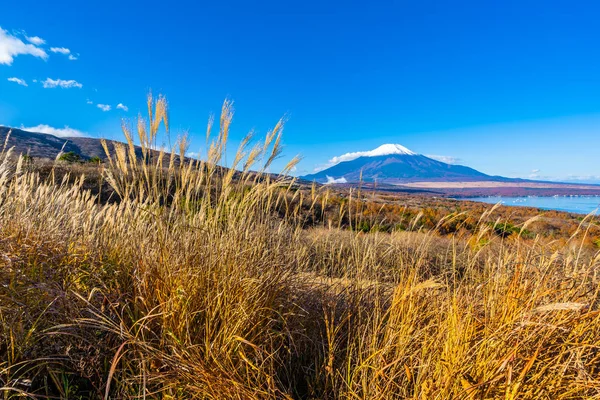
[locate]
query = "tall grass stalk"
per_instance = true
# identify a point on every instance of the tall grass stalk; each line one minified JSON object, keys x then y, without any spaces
{"x":207,"y":282}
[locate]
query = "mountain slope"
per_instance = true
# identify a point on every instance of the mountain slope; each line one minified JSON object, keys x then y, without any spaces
{"x":41,"y":145}
{"x":395,"y":164}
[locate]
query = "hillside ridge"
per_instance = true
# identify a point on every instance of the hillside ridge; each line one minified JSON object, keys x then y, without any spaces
{"x":43,"y":145}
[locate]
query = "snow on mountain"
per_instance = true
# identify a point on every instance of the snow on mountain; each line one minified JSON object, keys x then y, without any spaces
{"x":386,"y":149}
{"x":383,"y":150}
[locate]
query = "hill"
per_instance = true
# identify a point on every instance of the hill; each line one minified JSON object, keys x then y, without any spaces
{"x":41,"y":145}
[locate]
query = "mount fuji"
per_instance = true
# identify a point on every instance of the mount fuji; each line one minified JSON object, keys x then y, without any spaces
{"x":394,"y":163}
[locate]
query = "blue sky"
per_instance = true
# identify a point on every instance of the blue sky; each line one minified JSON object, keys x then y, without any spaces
{"x":510,"y":88}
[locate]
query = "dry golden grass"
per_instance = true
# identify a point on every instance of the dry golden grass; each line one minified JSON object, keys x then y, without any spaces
{"x":194,"y":285}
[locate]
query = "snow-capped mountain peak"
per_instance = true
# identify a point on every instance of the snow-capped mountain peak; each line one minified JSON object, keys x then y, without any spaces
{"x":383,"y":150}
{"x":391,"y":163}
{"x":387,"y":149}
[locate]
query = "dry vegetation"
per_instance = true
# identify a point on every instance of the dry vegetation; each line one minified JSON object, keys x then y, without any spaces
{"x":202,"y":283}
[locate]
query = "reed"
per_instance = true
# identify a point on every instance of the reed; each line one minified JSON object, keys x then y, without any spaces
{"x":207,"y":282}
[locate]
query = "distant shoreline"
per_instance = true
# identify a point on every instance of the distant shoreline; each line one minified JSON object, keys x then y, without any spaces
{"x":460,"y":190}
{"x":572,"y":204}
{"x":496,"y":184}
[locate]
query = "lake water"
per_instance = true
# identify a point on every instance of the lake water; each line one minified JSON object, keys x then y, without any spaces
{"x":574,"y":204}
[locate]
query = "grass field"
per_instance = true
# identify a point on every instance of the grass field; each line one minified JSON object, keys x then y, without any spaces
{"x":198,"y":282}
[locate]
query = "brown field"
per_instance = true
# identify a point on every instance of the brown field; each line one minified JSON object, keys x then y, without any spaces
{"x":144,"y":277}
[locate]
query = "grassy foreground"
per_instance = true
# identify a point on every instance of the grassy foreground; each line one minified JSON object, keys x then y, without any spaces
{"x":204,"y":283}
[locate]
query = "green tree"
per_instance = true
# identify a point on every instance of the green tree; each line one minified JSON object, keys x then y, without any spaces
{"x":69,"y":157}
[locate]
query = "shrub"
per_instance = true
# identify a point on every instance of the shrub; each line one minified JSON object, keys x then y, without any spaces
{"x":70,"y":157}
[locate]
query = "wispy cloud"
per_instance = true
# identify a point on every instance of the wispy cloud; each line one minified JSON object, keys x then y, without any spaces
{"x":65,"y":84}
{"x":581,"y":179}
{"x":445,"y":159}
{"x":38,"y":41}
{"x":60,"y":132}
{"x":104,"y":107}
{"x":11,"y":47}
{"x":538,"y":175}
{"x":331,"y":180}
{"x":65,"y":51}
{"x":535,"y":173}
{"x":88,"y":101}
{"x":61,"y":50}
{"x":18,"y":81}
{"x":123,"y":107}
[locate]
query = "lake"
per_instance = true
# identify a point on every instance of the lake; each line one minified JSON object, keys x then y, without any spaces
{"x":574,"y":204}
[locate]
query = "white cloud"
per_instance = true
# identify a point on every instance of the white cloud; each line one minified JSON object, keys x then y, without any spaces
{"x":103,"y":107}
{"x":38,"y":41}
{"x":52,"y":83}
{"x":122,"y":107}
{"x":60,"y":132}
{"x":88,"y":101}
{"x":535,"y":174}
{"x":11,"y":47}
{"x":18,"y":81}
{"x":61,"y":50}
{"x":445,"y":159}
{"x":331,"y":180}
{"x":65,"y":51}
